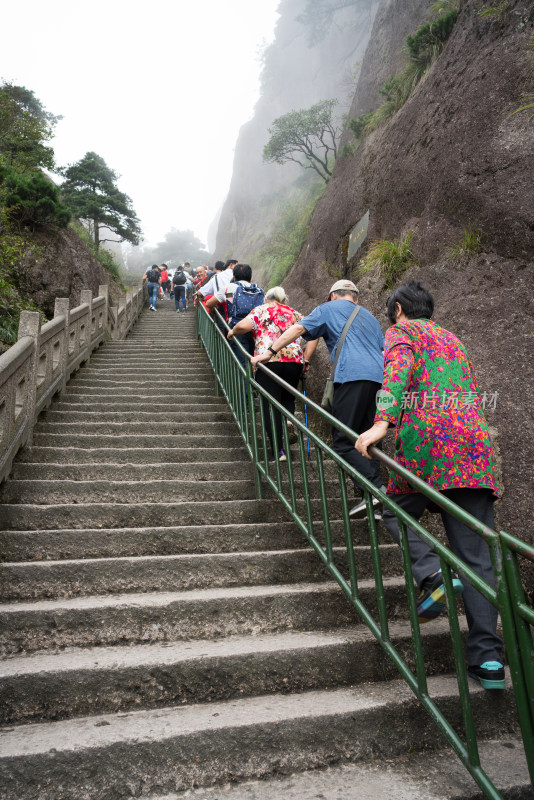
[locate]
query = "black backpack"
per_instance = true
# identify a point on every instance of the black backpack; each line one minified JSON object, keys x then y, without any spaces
{"x":153,"y":276}
{"x":179,"y":278}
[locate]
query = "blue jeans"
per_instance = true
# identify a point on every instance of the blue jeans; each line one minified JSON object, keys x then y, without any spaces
{"x":179,"y":294}
{"x":153,"y":290}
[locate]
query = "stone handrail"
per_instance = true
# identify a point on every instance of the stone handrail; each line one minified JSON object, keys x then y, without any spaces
{"x":43,"y":359}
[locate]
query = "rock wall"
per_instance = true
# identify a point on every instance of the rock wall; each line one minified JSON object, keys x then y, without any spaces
{"x":451,"y":157}
{"x":62,"y":267}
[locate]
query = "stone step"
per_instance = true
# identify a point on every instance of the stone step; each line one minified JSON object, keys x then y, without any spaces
{"x":22,"y":517}
{"x":123,"y":367}
{"x":133,"y":455}
{"x":102,"y":757}
{"x":33,"y":580}
{"x":45,"y":492}
{"x":142,"y":381}
{"x":193,"y":471}
{"x":156,"y":440}
{"x":208,"y":405}
{"x":173,"y":425}
{"x":140,"y":414}
{"x":407,"y":777}
{"x":176,"y":396}
{"x":146,"y":617}
{"x":54,"y":545}
{"x":101,"y":680}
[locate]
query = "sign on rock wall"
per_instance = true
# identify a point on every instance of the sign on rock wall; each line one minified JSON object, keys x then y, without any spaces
{"x":357,"y":235}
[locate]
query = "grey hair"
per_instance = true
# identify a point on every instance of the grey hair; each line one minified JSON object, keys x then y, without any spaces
{"x":276,"y":293}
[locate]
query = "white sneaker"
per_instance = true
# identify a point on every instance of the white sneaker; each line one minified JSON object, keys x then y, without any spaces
{"x":361,"y":508}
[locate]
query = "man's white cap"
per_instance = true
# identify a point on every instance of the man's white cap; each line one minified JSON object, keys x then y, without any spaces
{"x":345,"y":285}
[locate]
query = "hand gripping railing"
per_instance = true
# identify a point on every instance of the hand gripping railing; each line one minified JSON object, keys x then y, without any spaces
{"x":244,"y":395}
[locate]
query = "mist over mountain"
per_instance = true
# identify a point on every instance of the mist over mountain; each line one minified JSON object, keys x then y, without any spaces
{"x":450,"y":165}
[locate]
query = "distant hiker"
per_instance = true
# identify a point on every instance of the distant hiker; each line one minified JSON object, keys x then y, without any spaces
{"x":240,"y":296}
{"x":266,"y":322}
{"x":358,"y":373}
{"x":430,"y":395}
{"x":152,"y":278}
{"x":178,"y":286}
{"x":165,"y":282}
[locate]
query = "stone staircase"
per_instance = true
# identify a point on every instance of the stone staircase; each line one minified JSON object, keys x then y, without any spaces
{"x":164,"y":630}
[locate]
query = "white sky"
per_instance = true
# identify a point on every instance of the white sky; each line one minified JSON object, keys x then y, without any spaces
{"x":158,"y":88}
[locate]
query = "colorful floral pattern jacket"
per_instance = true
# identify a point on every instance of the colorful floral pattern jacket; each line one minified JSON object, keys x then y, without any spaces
{"x":430,"y":393}
{"x":268,"y":324}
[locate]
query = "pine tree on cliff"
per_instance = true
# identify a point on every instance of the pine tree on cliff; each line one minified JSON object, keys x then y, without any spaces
{"x":91,"y":193}
{"x":308,"y":137}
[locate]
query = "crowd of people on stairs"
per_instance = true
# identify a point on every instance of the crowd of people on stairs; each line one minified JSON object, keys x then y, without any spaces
{"x":418,"y":381}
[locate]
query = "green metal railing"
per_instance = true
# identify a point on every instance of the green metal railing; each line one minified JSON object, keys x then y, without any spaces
{"x":318,"y":521}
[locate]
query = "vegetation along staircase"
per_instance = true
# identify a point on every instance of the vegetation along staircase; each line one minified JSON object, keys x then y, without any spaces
{"x":166,"y":634}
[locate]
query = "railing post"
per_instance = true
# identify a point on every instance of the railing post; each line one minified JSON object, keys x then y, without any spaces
{"x":86,"y":296}
{"x":103,"y":291}
{"x":30,"y":325}
{"x":62,"y":308}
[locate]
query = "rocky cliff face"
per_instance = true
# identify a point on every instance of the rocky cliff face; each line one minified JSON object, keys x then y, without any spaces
{"x":451,"y":157}
{"x":61,"y":266}
{"x":295,"y":76}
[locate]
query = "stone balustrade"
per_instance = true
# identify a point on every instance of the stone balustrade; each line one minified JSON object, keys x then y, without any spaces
{"x":43,"y":359}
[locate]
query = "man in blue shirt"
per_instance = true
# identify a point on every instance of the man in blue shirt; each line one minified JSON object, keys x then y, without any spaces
{"x":359,"y":369}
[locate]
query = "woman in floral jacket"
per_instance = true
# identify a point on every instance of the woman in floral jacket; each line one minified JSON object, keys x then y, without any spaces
{"x":430,"y":395}
{"x":267,"y":322}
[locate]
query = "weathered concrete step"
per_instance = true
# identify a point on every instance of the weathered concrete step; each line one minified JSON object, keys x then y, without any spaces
{"x":193,"y":471}
{"x":22,"y":517}
{"x":420,"y":776}
{"x":133,"y":455}
{"x":209,"y":405}
{"x":173,"y":426}
{"x":176,"y":396}
{"x":155,"y":440}
{"x":110,"y":367}
{"x":45,"y":492}
{"x":100,"y":680}
{"x":177,"y":616}
{"x":98,"y":758}
{"x":54,"y":545}
{"x":141,"y":382}
{"x":33,"y":580}
{"x":168,"y":414}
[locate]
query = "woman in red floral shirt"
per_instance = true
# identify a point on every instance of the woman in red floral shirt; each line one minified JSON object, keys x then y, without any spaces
{"x":430,"y":396}
{"x":267,"y":322}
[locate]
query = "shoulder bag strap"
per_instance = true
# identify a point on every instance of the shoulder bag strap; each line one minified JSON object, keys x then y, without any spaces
{"x":341,"y":339}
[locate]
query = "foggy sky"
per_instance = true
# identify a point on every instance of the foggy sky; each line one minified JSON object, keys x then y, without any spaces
{"x":158,"y":89}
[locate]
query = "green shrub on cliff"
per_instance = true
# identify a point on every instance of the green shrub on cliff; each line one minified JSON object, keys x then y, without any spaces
{"x":391,"y":258}
{"x":422,"y":47}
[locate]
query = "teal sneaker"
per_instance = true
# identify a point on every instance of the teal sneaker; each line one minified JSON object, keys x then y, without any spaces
{"x":490,"y":674}
{"x":431,"y":601}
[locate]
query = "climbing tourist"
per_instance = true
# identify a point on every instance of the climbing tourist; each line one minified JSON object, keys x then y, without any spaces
{"x":152,"y":278}
{"x":267,"y":322}
{"x":430,"y":395}
{"x":358,"y":373}
{"x":218,"y":282}
{"x":241,"y":296}
{"x":178,"y":286}
{"x":165,"y":282}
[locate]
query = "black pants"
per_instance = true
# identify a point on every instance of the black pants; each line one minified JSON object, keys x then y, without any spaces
{"x":247,"y":341}
{"x":355,"y":406}
{"x":483,"y":644}
{"x":289,"y":371}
